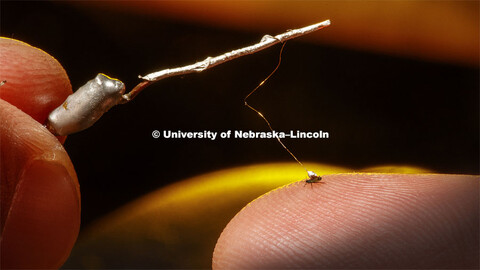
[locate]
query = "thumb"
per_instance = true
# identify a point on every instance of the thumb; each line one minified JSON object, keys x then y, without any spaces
{"x":39,"y":191}
{"x":36,"y":82}
{"x":40,"y":205}
{"x":358,"y":221}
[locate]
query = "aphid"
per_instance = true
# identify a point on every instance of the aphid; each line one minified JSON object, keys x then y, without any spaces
{"x":312,"y":178}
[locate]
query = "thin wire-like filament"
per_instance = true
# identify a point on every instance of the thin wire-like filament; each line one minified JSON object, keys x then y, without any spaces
{"x":263,"y":117}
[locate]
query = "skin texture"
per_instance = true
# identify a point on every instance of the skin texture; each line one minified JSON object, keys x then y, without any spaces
{"x":36,"y":82}
{"x":372,"y":221}
{"x":40,"y":195}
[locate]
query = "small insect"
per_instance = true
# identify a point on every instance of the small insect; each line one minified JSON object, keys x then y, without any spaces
{"x":312,"y":178}
{"x":3,"y":82}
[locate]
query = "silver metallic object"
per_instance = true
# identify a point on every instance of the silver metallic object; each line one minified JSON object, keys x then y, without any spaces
{"x":84,"y":107}
{"x":209,"y":62}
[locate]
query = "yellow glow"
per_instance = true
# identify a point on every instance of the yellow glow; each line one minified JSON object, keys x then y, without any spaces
{"x":110,"y":77}
{"x":396,"y":169}
{"x":188,"y":215}
{"x":241,"y":183}
{"x":253,"y":180}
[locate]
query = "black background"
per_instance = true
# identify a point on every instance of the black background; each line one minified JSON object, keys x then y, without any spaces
{"x":378,"y":109}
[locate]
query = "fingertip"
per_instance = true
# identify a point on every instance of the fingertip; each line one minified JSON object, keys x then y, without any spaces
{"x":36,"y":83}
{"x":357,"y":220}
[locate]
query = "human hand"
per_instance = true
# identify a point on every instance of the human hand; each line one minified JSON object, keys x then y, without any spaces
{"x":40,"y":197}
{"x":358,"y":221}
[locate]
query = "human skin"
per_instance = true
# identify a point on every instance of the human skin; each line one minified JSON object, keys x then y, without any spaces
{"x":351,"y":221}
{"x":361,"y":221}
{"x":40,"y":195}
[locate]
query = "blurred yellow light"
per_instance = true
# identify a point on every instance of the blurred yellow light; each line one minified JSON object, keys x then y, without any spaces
{"x":185,"y":219}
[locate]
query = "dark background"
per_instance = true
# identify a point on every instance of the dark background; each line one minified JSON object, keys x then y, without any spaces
{"x":378,"y":109}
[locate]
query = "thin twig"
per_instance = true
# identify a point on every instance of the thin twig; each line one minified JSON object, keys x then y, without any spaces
{"x":265,"y":42}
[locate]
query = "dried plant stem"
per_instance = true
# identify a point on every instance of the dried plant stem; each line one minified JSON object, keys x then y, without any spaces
{"x":209,"y":62}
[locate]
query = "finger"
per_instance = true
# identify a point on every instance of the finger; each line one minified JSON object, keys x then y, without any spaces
{"x":186,"y":217}
{"x":358,"y":221}
{"x":40,"y":199}
{"x":36,"y":82}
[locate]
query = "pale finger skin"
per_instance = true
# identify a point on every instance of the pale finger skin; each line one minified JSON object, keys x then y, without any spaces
{"x":358,"y":221}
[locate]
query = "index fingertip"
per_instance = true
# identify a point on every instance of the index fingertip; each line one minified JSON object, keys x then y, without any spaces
{"x":36,"y":81}
{"x":374,"y":220}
